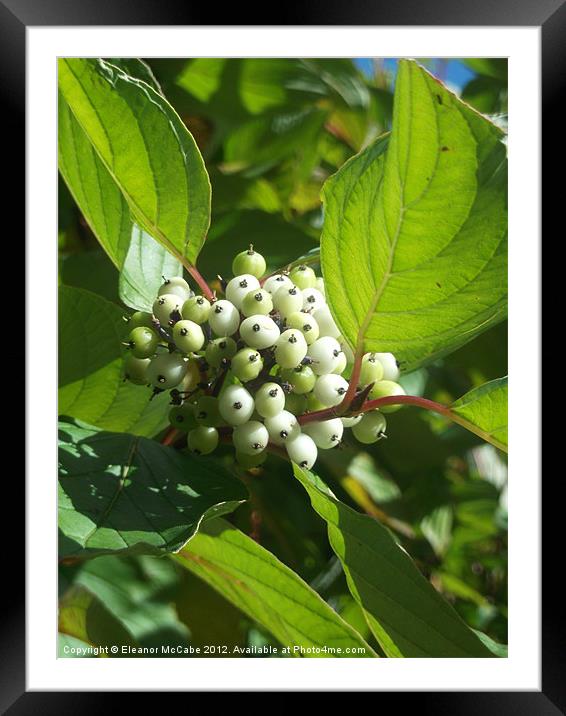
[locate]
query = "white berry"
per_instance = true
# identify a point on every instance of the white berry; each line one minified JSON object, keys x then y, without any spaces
{"x":291,"y":348}
{"x":224,"y":318}
{"x":302,"y":450}
{"x":236,"y":405}
{"x":250,"y":438}
{"x":259,"y":331}
{"x":282,"y":427}
{"x":269,"y":400}
{"x":275,"y":282}
{"x":326,"y":324}
{"x":238,"y":288}
{"x":390,"y":367}
{"x":326,"y":434}
{"x":330,"y":389}
{"x":325,"y":353}
{"x":312,"y":299}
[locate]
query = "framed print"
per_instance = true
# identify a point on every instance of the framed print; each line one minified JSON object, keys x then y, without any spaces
{"x":276,"y":262}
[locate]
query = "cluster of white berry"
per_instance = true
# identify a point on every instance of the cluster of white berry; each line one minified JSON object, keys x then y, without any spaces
{"x":244,"y":367}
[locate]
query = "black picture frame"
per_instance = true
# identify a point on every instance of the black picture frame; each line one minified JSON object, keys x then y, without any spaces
{"x":15,"y":16}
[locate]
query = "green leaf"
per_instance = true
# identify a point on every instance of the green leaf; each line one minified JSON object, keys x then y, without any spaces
{"x":414,"y":243}
{"x":139,"y":257}
{"x":137,"y":68}
{"x":120,"y":493}
{"x":489,"y":67}
{"x":147,"y":149}
{"x":406,"y":614}
{"x":124,"y":601}
{"x":484,"y":411}
{"x":92,"y":187}
{"x":266,"y":590}
{"x":91,"y":384}
{"x":500,"y":650}
{"x":144,"y":267}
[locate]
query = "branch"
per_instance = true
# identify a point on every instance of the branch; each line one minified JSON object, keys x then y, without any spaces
{"x":202,"y":284}
{"x":424,"y":403}
{"x":344,"y":406}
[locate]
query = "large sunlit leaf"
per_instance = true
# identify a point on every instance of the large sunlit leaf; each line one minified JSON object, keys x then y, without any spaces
{"x":92,"y":187}
{"x":91,"y":382}
{"x":484,"y":411}
{"x":269,"y":592}
{"x":407,"y":615}
{"x":121,"y":493}
{"x":140,"y":259}
{"x":146,"y":148}
{"x":414,"y":244}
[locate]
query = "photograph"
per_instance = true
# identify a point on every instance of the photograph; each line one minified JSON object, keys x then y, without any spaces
{"x":282,"y":357}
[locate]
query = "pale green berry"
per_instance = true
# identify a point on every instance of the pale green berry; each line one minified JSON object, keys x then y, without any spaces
{"x":305,"y":323}
{"x":302,"y":450}
{"x":330,"y":389}
{"x":135,"y":369}
{"x":383,"y":389}
{"x":188,"y":336}
{"x":196,"y":309}
{"x":319,"y":285}
{"x":206,"y":411}
{"x":224,"y":318}
{"x":326,"y":434}
{"x":303,"y":277}
{"x":325,"y":355}
{"x":269,"y":400}
{"x":257,"y":303}
{"x":371,"y":428}
{"x":239,"y":287}
{"x":250,"y":438}
{"x":139,"y":319}
{"x":167,"y":370}
{"x":282,"y":427}
{"x":296,"y":404}
{"x":236,"y":405}
{"x":314,"y":404}
{"x":390,"y":367}
{"x":302,"y":379}
{"x":175,"y":286}
{"x":273,"y":283}
{"x":247,"y":364}
{"x":326,"y":324}
{"x":291,"y":348}
{"x":249,"y":261}
{"x":312,"y":300}
{"x":202,"y":440}
{"x":259,"y":332}
{"x":143,"y":342}
{"x":182,"y":417}
{"x":164,"y":306}
{"x":371,"y":369}
{"x":220,"y":349}
{"x":287,"y":300}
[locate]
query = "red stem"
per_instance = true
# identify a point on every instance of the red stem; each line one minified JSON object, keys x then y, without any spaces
{"x":204,"y":287}
{"x":352,"y":385}
{"x":329,"y":413}
{"x":170,"y":436}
